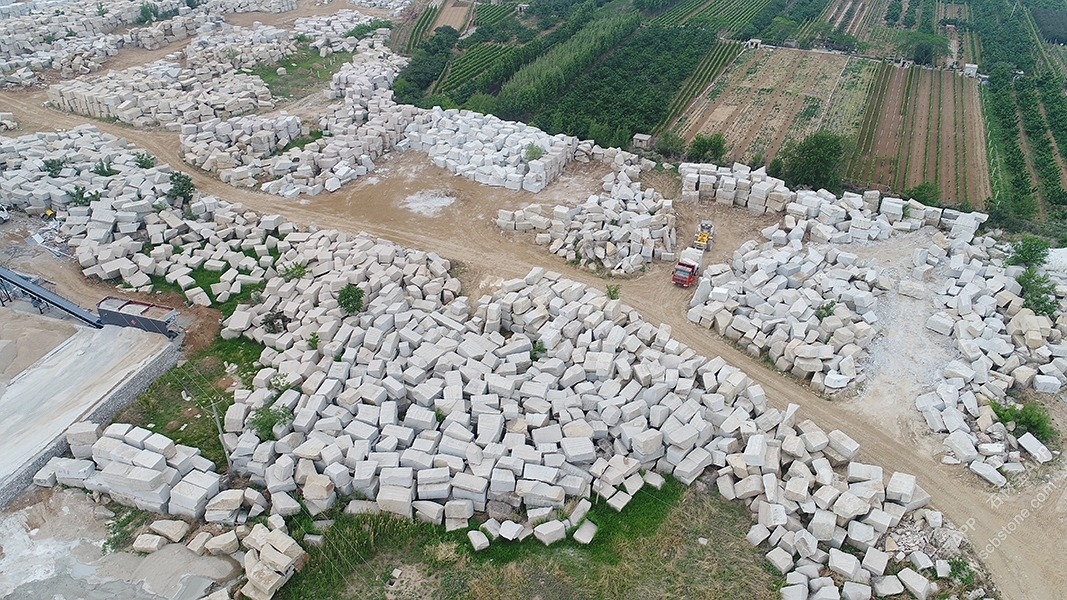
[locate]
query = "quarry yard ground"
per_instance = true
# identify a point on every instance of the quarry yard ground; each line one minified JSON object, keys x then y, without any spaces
{"x":393,"y":203}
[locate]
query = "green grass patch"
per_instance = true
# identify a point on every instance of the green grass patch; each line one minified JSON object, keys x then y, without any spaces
{"x":650,"y":550}
{"x":122,"y":526}
{"x":205,"y":279}
{"x":365,"y":29}
{"x":305,"y":72}
{"x":1031,"y":417}
{"x":300,"y":142}
{"x":163,"y":409}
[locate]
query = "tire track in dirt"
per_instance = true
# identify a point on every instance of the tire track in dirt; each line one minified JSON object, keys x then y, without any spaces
{"x":1024,"y":566}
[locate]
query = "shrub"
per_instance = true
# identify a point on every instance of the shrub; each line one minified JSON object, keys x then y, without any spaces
{"x":80,"y":198}
{"x":104,"y":168}
{"x":278,"y":383}
{"x":293,"y":271}
{"x":613,"y":291}
{"x":1031,"y":417}
{"x":181,"y":187}
{"x":147,"y":13}
{"x":313,"y":341}
{"x":53,"y":166}
{"x":264,"y":419}
{"x":1038,"y":292}
{"x":274,"y":322}
{"x":533,"y":152}
{"x":825,"y":310}
{"x":670,"y":145}
{"x":926,"y":192}
{"x":100,"y":10}
{"x":1030,"y":251}
{"x":144,"y":160}
{"x":707,"y":148}
{"x":538,"y":350}
{"x":350,"y":299}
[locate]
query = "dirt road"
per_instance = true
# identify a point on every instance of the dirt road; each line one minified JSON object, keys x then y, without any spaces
{"x":1025,"y":563}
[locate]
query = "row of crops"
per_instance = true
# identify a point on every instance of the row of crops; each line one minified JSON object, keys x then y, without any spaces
{"x":490,"y":14}
{"x":535,"y":65}
{"x":729,"y":15}
{"x":470,"y":65}
{"x":422,"y":26}
{"x":713,"y":64}
{"x":856,"y":169}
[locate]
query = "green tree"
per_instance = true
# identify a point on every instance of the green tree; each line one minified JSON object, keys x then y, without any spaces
{"x":350,"y":298}
{"x":181,"y":187}
{"x":707,"y":148}
{"x":670,"y":144}
{"x":1038,"y":292}
{"x":815,"y":162}
{"x":1030,"y":251}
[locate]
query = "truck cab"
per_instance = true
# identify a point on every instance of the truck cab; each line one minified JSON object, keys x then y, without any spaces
{"x":684,"y":275}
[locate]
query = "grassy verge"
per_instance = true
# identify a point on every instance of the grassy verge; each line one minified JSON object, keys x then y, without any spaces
{"x":305,"y":72}
{"x":650,"y":550}
{"x":188,"y":419}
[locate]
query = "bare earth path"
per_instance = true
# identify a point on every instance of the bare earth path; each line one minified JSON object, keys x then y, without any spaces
{"x":1025,"y":563}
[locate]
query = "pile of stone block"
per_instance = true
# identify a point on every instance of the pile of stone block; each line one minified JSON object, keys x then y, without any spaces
{"x":737,"y":185}
{"x":1001,"y":346}
{"x":329,"y":30}
{"x":150,"y":472}
{"x":801,"y":297}
{"x":154,"y":36}
{"x":358,"y":130}
{"x":489,"y":150}
{"x":162,"y":93}
{"x":243,"y":6}
{"x":812,"y":311}
{"x":107,"y":236}
{"x":125,"y":199}
{"x":363,"y":85}
{"x":7,"y":121}
{"x":135,"y":467}
{"x":214,"y":241}
{"x":441,"y":408}
{"x":223,"y":146}
{"x":395,"y":7}
{"x":589,"y":151}
{"x":269,"y":556}
{"x":232,"y":47}
{"x":619,"y":232}
{"x":35,"y":40}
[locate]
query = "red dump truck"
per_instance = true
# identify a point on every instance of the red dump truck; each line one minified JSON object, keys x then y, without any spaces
{"x":688,"y":268}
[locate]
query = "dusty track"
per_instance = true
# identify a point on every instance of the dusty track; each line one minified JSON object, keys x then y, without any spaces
{"x":1025,"y":564}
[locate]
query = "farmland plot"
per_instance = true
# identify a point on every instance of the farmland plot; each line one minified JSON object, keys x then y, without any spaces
{"x":454,"y":13}
{"x":923,"y":125}
{"x":771,"y":96}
